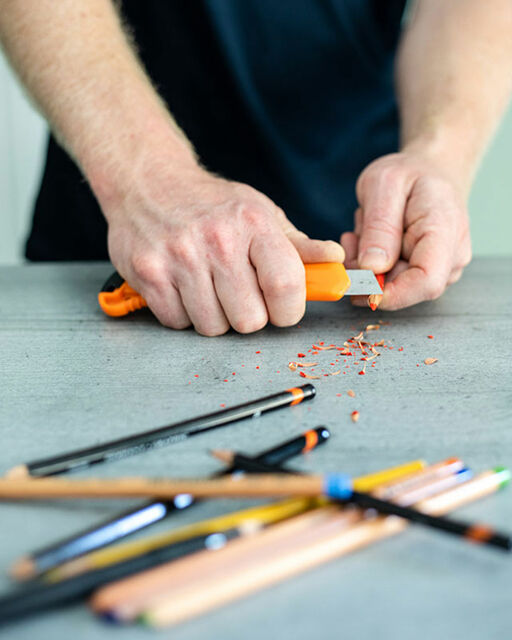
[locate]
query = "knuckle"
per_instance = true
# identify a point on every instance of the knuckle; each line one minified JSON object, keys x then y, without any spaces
{"x":379,"y":222}
{"x":250,"y":324}
{"x":254,"y":216}
{"x":183,"y":251}
{"x":212,"y":330}
{"x":172,"y":322}
{"x":221,"y":243}
{"x":390,"y":174}
{"x":289,"y":320}
{"x":285,"y":284}
{"x":434,"y":289}
{"x":147,"y":267}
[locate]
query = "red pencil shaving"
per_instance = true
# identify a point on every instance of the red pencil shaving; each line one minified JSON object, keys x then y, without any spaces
{"x":375,"y":299}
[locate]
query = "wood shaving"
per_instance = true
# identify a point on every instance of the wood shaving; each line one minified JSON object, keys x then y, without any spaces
{"x":430,"y":360}
{"x":380,"y":343}
{"x":372,"y":327}
{"x":332,"y":346}
{"x":359,"y":336}
{"x":307,"y":375}
{"x":351,"y":393}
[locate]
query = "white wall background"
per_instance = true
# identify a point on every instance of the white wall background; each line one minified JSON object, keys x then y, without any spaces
{"x":22,"y":147}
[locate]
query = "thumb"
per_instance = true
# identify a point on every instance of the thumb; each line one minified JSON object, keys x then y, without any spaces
{"x":383,"y":205}
{"x":311,"y":251}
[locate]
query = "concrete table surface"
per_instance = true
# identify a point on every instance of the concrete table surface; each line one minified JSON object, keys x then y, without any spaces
{"x":70,"y":377}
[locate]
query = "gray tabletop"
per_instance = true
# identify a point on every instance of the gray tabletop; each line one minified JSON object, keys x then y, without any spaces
{"x":70,"y":377}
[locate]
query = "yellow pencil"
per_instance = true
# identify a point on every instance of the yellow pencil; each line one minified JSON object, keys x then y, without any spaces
{"x":286,"y":508}
{"x":295,"y":554}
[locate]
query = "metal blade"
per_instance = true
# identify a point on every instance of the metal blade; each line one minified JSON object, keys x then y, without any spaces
{"x":362,"y":283}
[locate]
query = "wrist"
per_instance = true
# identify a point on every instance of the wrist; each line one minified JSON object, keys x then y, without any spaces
{"x":139,"y":153}
{"x":449,"y":153}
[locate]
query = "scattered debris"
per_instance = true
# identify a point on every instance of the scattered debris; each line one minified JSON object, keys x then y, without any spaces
{"x":351,"y":393}
{"x":355,"y":416}
{"x":430,"y":360}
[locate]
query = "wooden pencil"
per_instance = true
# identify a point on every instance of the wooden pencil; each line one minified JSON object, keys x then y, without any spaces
{"x":123,"y":524}
{"x":123,"y":599}
{"x":294,"y":555}
{"x":126,"y":599}
{"x":375,"y":299}
{"x":337,"y":486}
{"x":39,"y":595}
{"x":117,"y":553}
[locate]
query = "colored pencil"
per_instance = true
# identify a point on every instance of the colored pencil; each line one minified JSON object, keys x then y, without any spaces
{"x":121,"y":552}
{"x":170,"y":434}
{"x":128,"y":522}
{"x":480,"y":533}
{"x":338,"y":486}
{"x":208,"y":535}
{"x":38,"y":596}
{"x":123,"y":599}
{"x":375,"y":299}
{"x":226,"y":581}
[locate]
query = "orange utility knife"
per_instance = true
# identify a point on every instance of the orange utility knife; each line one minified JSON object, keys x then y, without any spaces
{"x":324,"y":281}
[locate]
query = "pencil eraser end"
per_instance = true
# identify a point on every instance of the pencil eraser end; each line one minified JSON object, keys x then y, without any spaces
{"x":338,"y":486}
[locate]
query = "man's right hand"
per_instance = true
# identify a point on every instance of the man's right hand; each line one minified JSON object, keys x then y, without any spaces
{"x":209,"y":252}
{"x":200,"y":249}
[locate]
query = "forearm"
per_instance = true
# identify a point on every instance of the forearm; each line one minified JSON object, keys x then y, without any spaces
{"x":79,"y":67}
{"x":454,"y":78}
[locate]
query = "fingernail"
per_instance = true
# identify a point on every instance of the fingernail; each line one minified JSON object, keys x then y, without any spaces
{"x":374,"y":258}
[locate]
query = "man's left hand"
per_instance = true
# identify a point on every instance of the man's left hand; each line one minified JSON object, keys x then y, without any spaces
{"x":411,"y":224}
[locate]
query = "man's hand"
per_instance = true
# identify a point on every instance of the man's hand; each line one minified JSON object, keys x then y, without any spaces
{"x":209,"y":252}
{"x":411,"y":222}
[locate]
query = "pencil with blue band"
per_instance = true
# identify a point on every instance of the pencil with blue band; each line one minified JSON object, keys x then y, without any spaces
{"x":337,"y":486}
{"x":117,"y":592}
{"x":237,"y":571}
{"x":124,"y":600}
{"x":126,"y":550}
{"x":128,"y":522}
{"x":341,"y":487}
{"x":41,"y":595}
{"x":170,"y":434}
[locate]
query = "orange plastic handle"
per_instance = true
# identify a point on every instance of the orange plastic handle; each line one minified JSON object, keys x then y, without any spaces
{"x":121,"y":301}
{"x":324,"y":281}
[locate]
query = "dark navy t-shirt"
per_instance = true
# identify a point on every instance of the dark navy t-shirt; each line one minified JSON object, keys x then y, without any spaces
{"x":294,"y":97}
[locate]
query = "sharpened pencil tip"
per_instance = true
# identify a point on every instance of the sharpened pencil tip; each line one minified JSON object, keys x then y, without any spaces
{"x":19,"y":471}
{"x":222,"y":454}
{"x":23,"y":569}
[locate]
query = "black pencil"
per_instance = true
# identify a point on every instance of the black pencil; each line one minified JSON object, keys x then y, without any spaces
{"x":136,"y":519}
{"x":170,"y":434}
{"x":38,"y":596}
{"x":476,"y":532}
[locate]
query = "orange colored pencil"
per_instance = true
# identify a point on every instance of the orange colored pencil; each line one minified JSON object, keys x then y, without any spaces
{"x":374,"y":299}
